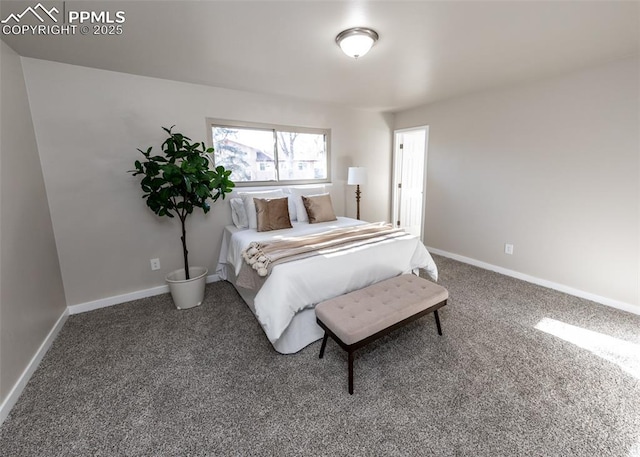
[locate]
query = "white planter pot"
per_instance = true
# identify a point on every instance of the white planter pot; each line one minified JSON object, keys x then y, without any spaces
{"x":187,"y":293}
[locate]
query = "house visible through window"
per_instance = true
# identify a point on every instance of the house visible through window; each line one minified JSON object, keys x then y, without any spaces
{"x":267,"y":154}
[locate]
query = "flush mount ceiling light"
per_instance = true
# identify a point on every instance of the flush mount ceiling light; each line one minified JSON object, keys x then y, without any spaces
{"x":357,"y":41}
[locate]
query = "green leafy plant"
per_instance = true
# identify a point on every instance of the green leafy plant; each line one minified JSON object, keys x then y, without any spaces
{"x":181,"y":180}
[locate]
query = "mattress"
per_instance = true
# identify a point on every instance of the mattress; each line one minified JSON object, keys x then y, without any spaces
{"x":284,"y":304}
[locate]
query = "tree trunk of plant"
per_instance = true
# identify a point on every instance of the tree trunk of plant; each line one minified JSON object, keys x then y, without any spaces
{"x":184,"y":249}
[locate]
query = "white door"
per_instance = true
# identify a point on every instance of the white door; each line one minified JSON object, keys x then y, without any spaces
{"x":410,"y":158}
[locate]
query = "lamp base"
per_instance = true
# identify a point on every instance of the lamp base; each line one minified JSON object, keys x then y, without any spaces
{"x":358,"y":201}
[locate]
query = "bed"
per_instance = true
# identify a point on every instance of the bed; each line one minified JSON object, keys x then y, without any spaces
{"x":284,"y":305}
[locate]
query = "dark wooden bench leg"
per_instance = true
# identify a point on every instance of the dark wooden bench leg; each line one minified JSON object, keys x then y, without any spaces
{"x":324,"y":344}
{"x":435,"y":313}
{"x":350,"y":372}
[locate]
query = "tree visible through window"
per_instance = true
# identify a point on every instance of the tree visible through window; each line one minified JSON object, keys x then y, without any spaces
{"x":263,"y":154}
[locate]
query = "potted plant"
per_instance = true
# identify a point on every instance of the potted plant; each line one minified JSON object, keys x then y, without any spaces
{"x":174,"y":184}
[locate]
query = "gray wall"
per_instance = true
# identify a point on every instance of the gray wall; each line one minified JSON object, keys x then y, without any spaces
{"x":31,"y":294}
{"x":551,"y":167}
{"x":89,"y":123}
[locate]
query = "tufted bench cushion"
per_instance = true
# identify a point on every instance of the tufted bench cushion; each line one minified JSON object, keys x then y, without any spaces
{"x":359,"y":317}
{"x":362,"y":313}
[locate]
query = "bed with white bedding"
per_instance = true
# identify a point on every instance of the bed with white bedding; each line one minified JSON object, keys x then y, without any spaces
{"x":284,"y":305}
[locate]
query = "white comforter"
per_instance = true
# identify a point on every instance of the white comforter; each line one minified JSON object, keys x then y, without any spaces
{"x":303,"y":283}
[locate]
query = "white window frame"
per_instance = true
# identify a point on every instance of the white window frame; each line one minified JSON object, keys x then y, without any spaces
{"x":213,"y":122}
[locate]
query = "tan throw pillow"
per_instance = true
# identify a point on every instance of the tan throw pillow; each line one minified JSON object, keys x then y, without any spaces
{"x":296,"y":207}
{"x":319,"y":208}
{"x":272,"y":214}
{"x":250,"y":207}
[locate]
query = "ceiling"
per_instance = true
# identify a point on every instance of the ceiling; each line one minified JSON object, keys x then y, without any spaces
{"x":427,"y":51}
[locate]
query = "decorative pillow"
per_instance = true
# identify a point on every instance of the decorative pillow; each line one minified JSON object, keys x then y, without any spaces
{"x":238,"y":213}
{"x":319,"y":208}
{"x":272,"y":214}
{"x":250,"y":207}
{"x":296,"y":200}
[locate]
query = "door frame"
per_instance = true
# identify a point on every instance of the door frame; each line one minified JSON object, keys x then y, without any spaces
{"x":396,"y":175}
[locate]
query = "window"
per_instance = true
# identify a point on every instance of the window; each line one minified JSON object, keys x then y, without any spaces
{"x":270,"y":154}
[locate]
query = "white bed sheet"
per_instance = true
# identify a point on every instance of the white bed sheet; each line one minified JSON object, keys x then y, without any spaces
{"x":294,"y":286}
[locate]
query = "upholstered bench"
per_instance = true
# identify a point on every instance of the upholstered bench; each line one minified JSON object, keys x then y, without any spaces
{"x":356,"y":319}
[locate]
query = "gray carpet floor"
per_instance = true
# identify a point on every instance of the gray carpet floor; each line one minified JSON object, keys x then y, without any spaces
{"x":143,"y":378}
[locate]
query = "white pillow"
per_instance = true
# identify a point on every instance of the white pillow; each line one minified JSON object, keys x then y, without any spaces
{"x":250,"y":206}
{"x":238,"y":213}
{"x":296,"y":197}
{"x":292,"y":204}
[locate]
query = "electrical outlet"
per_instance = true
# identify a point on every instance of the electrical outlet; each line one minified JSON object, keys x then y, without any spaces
{"x":155,"y":264}
{"x":508,"y":249}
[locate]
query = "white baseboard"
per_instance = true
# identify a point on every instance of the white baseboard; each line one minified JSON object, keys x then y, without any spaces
{"x":541,"y":282}
{"x":117,"y":299}
{"x":19,"y":386}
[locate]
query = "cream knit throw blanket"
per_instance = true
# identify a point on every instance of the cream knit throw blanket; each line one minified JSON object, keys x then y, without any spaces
{"x":261,"y":257}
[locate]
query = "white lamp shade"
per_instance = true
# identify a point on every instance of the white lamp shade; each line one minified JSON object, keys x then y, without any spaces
{"x":356,"y":45}
{"x":357,"y":175}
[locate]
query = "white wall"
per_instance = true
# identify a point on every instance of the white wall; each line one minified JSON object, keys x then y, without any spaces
{"x":31,"y":295}
{"x":376,"y":142}
{"x":552,"y":167}
{"x":89,"y":123}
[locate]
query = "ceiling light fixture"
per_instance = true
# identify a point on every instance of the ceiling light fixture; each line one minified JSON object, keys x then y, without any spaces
{"x":357,"y":41}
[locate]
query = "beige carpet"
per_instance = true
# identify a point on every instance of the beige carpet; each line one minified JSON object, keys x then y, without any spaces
{"x":520,"y":370}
